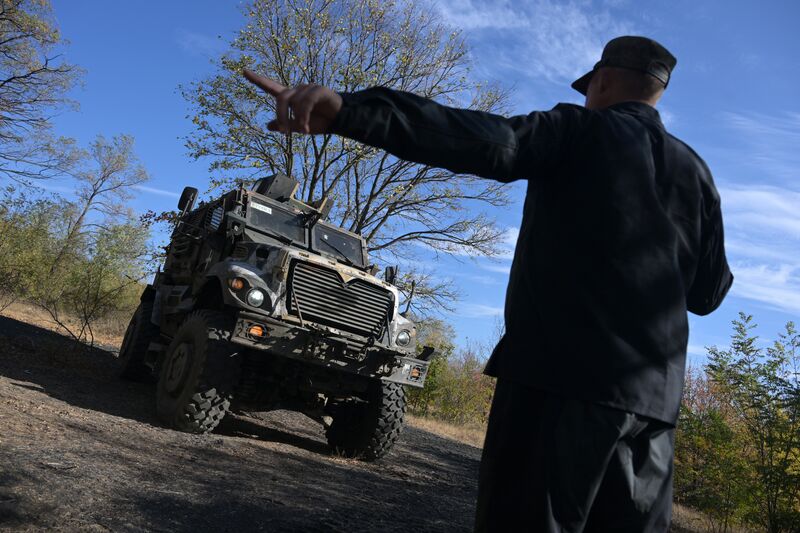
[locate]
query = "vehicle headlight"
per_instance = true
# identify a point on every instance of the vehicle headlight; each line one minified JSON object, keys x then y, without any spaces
{"x":255,"y":298}
{"x":403,"y":338}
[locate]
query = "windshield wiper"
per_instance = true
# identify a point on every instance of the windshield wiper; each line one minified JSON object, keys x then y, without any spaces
{"x":284,"y":239}
{"x":346,"y":259}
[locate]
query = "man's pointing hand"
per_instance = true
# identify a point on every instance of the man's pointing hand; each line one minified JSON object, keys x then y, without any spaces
{"x":302,"y":109}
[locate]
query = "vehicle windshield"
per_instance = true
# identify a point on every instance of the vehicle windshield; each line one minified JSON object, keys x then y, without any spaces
{"x":337,"y":244}
{"x":276,"y":220}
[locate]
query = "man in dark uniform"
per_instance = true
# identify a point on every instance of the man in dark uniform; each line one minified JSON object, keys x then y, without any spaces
{"x":621,"y":234}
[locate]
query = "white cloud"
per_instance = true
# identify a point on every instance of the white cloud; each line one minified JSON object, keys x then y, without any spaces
{"x":770,"y":199}
{"x":762,"y":227}
{"x":199,"y":44}
{"x":763,"y":212}
{"x":667,"y":117}
{"x":770,"y":142}
{"x":502,"y":269}
{"x":54,"y":187}
{"x":752,"y":61}
{"x":762,"y":223}
{"x":474,"y":14}
{"x":555,"y":40}
{"x":777,"y":286}
{"x":153,"y":190}
{"x":476,"y":310}
{"x":511,"y":235}
{"x":738,"y":246}
{"x":483,"y":279}
{"x":787,"y":126}
{"x":696,"y":349}
{"x":509,"y":243}
{"x":50,"y":186}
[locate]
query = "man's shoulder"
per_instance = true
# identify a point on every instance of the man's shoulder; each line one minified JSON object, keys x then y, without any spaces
{"x":565,"y":106}
{"x":572,"y":110}
{"x":559,"y":110}
{"x":565,"y":117}
{"x":588,"y":118}
{"x":682,"y":145}
{"x":688,"y":152}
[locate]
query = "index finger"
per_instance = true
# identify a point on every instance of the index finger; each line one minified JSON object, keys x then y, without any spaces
{"x":267,"y":85}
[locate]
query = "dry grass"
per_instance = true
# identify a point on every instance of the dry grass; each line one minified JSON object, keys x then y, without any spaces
{"x":686,"y":520}
{"x":107,"y":332}
{"x":472,"y":435}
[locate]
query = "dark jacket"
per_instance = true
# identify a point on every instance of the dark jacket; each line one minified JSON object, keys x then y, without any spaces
{"x":621,"y":234}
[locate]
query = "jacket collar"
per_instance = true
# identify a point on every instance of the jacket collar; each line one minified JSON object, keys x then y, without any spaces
{"x":639,"y":109}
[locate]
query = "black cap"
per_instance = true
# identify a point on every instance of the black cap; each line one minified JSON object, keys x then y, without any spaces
{"x":635,"y":53}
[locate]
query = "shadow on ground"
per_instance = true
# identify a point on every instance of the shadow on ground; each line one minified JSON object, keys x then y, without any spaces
{"x":82,"y":450}
{"x":84,"y":377}
{"x":63,"y":368}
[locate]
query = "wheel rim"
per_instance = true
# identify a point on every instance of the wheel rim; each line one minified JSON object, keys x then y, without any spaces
{"x":177,"y":368}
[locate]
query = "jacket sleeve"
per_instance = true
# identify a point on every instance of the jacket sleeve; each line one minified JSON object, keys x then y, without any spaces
{"x":460,"y":140}
{"x":713,"y":277}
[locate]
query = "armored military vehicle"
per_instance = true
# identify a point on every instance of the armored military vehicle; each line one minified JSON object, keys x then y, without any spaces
{"x":263,"y":304}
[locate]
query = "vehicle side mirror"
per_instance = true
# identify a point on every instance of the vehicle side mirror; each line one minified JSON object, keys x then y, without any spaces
{"x":390,"y":274}
{"x":188,"y":196}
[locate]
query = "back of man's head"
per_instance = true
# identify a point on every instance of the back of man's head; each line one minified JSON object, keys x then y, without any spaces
{"x":634,"y":84}
{"x":612,"y":85}
{"x":631,"y":68}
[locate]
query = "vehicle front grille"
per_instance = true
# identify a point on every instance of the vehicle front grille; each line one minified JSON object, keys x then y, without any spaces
{"x":356,"y":307}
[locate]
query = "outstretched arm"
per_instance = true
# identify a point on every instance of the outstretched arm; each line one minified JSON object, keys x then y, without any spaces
{"x":417,"y":129}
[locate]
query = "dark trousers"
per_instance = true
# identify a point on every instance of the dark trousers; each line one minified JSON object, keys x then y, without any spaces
{"x":556,"y":464}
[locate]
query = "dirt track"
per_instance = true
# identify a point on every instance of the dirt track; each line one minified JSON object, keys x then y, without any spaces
{"x":80,"y":450}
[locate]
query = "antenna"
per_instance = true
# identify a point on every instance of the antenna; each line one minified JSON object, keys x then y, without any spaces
{"x":408,"y":302}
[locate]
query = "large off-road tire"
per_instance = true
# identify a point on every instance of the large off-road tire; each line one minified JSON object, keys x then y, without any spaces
{"x":140,"y":333}
{"x":199,"y":372}
{"x":368,"y":430}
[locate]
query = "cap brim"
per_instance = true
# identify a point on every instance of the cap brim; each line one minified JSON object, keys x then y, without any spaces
{"x":582,"y":84}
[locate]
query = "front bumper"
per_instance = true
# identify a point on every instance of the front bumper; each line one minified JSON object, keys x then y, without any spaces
{"x":320,"y":347}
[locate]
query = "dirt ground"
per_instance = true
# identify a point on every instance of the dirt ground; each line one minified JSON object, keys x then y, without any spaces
{"x":83,"y":451}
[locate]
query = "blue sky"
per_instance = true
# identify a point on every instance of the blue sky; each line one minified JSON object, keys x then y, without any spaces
{"x":733,"y":97}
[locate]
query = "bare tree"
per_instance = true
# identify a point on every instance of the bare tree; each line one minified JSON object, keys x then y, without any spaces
{"x":101,"y":251}
{"x":402,"y":209}
{"x":33,"y":82}
{"x":106,"y":176}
